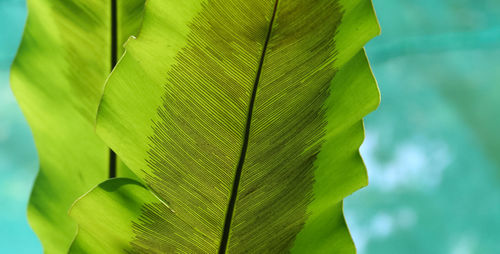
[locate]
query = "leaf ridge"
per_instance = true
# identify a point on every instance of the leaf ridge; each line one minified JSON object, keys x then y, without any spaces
{"x":114,"y":53}
{"x":236,"y":181}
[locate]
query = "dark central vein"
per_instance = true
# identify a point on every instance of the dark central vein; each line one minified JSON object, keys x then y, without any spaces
{"x":114,"y":53}
{"x":237,"y":176}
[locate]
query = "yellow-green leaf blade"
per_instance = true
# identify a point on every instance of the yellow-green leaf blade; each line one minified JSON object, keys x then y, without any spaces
{"x":177,"y":111}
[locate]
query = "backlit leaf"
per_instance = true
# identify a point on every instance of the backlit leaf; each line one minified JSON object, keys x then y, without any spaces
{"x":243,"y":119}
{"x":58,"y":77}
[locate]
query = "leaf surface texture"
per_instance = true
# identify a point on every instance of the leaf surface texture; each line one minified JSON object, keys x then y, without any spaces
{"x":243,"y":119}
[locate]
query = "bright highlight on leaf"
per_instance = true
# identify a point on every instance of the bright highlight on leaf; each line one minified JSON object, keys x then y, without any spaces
{"x":242,"y":120}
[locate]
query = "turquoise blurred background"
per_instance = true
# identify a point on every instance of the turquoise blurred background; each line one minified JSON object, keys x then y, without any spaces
{"x":431,"y":148}
{"x":18,"y":158}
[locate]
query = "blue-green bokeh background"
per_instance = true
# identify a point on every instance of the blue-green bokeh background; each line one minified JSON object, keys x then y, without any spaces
{"x":431,"y":149}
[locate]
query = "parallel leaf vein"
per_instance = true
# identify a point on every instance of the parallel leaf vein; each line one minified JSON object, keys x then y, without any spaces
{"x":237,"y":176}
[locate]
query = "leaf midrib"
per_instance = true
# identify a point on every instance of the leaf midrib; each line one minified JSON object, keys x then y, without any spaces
{"x":114,"y":53}
{"x":237,"y":176}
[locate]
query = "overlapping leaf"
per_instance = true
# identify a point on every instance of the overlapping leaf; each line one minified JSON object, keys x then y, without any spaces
{"x":58,"y":77}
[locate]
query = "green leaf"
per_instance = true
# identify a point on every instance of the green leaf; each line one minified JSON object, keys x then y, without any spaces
{"x":243,"y":119}
{"x":58,"y":77}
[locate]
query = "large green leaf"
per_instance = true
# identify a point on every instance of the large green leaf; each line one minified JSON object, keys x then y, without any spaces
{"x":243,"y":119}
{"x":58,"y":77}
